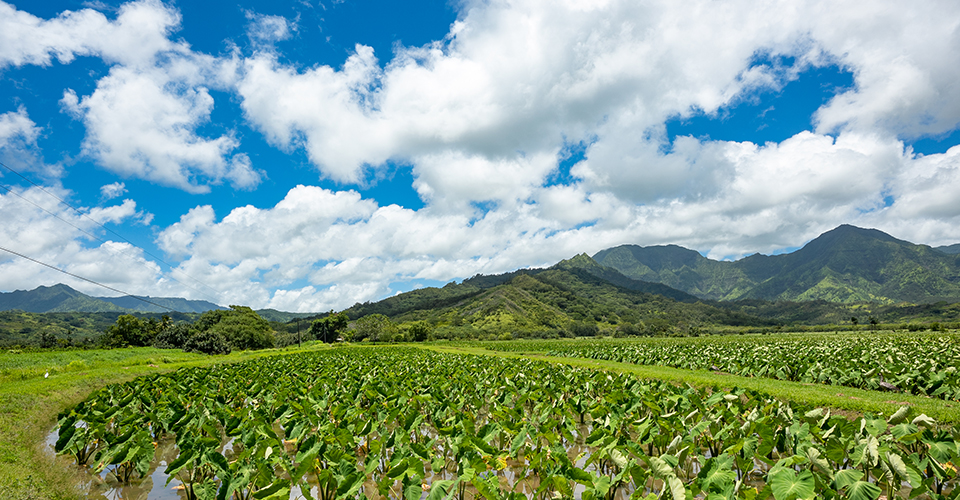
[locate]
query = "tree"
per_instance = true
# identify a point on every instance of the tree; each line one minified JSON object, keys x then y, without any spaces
{"x":173,"y":337}
{"x":207,"y":342}
{"x":581,"y":329}
{"x":127,"y":331}
{"x":240,"y":326}
{"x":244,"y":329}
{"x":419,"y":331}
{"x":329,"y":328}
{"x":375,"y":327}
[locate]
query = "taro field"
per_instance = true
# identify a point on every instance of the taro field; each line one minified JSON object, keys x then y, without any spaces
{"x":406,"y":423}
{"x":914,"y":363}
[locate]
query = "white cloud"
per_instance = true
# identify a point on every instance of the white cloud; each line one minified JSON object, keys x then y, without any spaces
{"x":64,"y":243}
{"x":265,"y":29}
{"x":111,"y":191}
{"x":141,"y":122}
{"x":514,"y":79}
{"x":483,"y":117}
{"x":18,"y":145}
{"x":138,"y":34}
{"x":143,"y":117}
{"x":17,"y":126}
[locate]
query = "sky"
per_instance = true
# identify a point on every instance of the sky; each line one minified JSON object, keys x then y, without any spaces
{"x":307,"y":155}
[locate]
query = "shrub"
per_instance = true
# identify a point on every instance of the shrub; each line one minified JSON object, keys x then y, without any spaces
{"x":172,"y":337}
{"x":207,"y":342}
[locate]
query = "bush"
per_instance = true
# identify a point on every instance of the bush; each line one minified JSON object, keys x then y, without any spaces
{"x":207,"y":342}
{"x":173,"y":337}
{"x":376,"y":327}
{"x":580,"y":329}
{"x":627,"y":330}
{"x":240,"y":326}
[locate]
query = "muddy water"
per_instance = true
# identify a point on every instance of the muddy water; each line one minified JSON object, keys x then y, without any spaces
{"x":514,"y":477}
{"x":152,"y":487}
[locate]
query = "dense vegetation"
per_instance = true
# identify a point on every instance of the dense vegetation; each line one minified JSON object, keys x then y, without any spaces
{"x":399,"y":422}
{"x":555,"y":302}
{"x":65,"y":330}
{"x":921,"y":364}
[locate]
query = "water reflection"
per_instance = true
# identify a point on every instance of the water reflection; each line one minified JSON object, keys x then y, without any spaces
{"x":105,"y":485}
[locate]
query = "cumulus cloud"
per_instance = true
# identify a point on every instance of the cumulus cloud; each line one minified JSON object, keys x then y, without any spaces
{"x":520,"y":77}
{"x":18,"y":144}
{"x":143,"y":117}
{"x":263,"y":29}
{"x":64,"y":242}
{"x":483,"y":118}
{"x":111,"y":191}
{"x":141,"y":122}
{"x":139,"y":32}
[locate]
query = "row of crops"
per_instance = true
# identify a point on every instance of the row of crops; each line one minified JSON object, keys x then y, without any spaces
{"x":399,"y":422}
{"x":915,"y":363}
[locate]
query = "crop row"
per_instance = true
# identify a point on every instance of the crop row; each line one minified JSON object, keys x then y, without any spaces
{"x":399,"y":422}
{"x":921,"y":364}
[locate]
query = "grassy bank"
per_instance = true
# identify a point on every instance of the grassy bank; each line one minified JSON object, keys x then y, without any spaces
{"x":35,"y":387}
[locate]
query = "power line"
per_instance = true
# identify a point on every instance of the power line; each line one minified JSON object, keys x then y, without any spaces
{"x":11,"y":191}
{"x":118,"y":235}
{"x":55,"y":268}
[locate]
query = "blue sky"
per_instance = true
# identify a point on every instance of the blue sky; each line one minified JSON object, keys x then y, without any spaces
{"x":308,"y":155}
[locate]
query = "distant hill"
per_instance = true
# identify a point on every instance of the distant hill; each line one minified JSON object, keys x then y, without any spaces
{"x":282,"y":316}
{"x":56,"y":298}
{"x":574,"y":291}
{"x":846,"y":265}
{"x":134,"y":303}
{"x":949,"y":249}
{"x":62,"y":298}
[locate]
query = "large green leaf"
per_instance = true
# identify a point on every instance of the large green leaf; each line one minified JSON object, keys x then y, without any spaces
{"x":862,"y":490}
{"x":786,"y":484}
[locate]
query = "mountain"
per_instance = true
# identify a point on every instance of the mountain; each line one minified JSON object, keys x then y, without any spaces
{"x":847,"y":264}
{"x":56,"y":298}
{"x":572,"y":292}
{"x":949,"y":249}
{"x":283,"y":316}
{"x":142,"y":303}
{"x":62,"y":298}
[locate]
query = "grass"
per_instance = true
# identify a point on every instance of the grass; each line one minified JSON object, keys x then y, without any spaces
{"x":829,"y":396}
{"x":30,"y":402}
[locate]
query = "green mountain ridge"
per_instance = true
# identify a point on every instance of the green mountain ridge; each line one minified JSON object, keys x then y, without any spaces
{"x":578,"y":291}
{"x":62,"y":298}
{"x":847,"y":265}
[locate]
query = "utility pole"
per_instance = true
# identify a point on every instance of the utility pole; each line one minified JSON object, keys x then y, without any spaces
{"x":299,"y":338}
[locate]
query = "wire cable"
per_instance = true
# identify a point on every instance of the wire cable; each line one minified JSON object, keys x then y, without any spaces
{"x":118,"y":235}
{"x":55,"y":268}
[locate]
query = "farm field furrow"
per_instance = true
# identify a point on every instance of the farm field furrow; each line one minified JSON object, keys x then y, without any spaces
{"x":406,"y":423}
{"x":914,"y":363}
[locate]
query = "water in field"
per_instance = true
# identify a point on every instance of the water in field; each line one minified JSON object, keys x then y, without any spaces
{"x":105,"y":485}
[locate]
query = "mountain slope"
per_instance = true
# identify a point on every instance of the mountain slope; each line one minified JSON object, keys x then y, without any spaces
{"x":62,"y":298}
{"x":847,"y":264}
{"x":575,"y":291}
{"x":949,"y":249}
{"x":136,"y":303}
{"x":56,"y":298}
